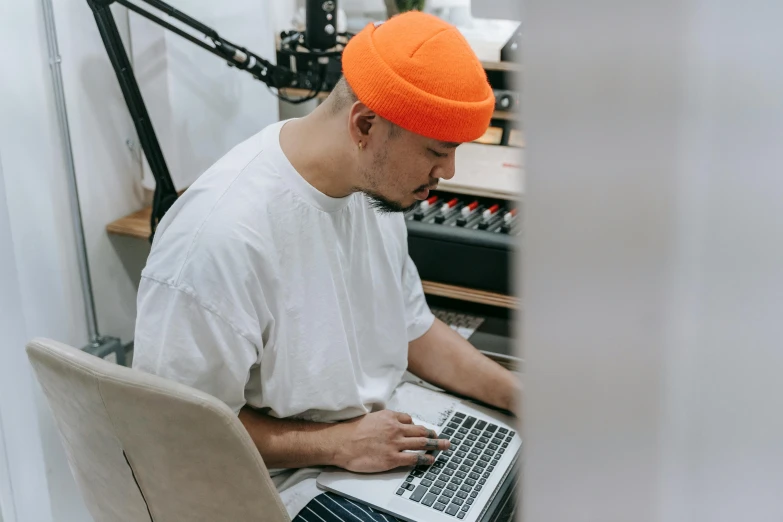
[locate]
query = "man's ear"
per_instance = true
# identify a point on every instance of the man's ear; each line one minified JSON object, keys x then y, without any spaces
{"x":361,"y":121}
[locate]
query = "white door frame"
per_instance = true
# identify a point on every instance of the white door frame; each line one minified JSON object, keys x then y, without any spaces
{"x":7,"y":504}
{"x":24,"y":491}
{"x":7,"y":511}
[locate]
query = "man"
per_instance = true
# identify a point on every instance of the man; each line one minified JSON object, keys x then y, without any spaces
{"x":280,"y":281}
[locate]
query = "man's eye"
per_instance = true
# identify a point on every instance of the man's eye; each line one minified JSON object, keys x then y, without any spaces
{"x":438,"y":154}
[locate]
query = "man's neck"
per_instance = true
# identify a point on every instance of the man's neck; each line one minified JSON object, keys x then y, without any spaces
{"x":315,"y":146}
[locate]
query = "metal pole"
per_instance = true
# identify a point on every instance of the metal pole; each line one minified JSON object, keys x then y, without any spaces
{"x":98,"y":345}
{"x":73,"y":191}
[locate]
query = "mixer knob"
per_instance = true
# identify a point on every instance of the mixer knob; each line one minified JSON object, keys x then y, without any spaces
{"x":439,"y":219}
{"x":461,"y":222}
{"x":418,"y":215}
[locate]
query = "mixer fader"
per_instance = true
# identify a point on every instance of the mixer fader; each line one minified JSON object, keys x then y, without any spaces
{"x":464,"y":240}
{"x":466,"y":212}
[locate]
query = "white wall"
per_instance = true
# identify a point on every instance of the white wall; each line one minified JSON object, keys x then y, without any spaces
{"x":653,"y":266}
{"x":199,"y":106}
{"x":108,"y":172}
{"x":41,"y":293}
{"x":23,"y":484}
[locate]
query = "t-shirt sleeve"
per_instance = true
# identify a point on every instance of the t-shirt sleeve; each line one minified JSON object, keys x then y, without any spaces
{"x":178,"y":338}
{"x":418,"y":316}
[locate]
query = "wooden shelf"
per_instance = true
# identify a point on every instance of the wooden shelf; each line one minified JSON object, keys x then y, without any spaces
{"x":502,"y":66}
{"x":133,"y":225}
{"x":301,"y":93}
{"x":504,"y":115}
{"x":469,"y":294}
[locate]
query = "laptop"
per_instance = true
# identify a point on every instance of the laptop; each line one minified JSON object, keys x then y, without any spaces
{"x":464,"y":483}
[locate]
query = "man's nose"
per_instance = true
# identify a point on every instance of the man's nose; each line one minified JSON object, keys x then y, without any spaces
{"x":445,"y":170}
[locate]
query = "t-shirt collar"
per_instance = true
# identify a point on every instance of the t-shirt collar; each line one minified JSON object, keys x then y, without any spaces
{"x":293,"y":179}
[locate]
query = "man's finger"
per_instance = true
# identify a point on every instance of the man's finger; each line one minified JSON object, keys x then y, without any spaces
{"x":414,"y":430}
{"x":424,"y":443}
{"x":416,"y":459}
{"x":404,"y":418}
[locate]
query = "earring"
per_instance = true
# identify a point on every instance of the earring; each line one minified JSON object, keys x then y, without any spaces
{"x":361,"y":146}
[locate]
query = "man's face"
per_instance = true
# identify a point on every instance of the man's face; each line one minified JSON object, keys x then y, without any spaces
{"x":402,"y":167}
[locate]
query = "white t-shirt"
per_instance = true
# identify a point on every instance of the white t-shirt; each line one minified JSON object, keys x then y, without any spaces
{"x":261,"y":290}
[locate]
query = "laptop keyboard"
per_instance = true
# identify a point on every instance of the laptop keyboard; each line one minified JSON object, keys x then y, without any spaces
{"x":453,"y":482}
{"x":463,"y":324}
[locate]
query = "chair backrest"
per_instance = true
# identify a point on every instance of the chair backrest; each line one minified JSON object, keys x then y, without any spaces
{"x":145,"y":449}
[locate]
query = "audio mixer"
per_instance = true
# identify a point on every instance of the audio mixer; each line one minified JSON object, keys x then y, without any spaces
{"x":464,"y":240}
{"x":470,"y":242}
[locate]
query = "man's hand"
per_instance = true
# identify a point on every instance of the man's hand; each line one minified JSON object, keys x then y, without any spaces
{"x":442,"y":357}
{"x":377,"y":441}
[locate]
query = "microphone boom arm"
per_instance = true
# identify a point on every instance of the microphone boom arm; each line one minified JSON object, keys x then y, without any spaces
{"x":236,"y":56}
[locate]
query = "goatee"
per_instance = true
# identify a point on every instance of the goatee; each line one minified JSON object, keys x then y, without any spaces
{"x":386,"y":206}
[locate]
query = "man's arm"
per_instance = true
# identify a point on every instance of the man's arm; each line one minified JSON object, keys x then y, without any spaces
{"x":442,"y":357}
{"x":370,"y":443}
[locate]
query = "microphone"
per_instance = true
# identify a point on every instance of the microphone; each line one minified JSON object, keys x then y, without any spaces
{"x":321,"y":24}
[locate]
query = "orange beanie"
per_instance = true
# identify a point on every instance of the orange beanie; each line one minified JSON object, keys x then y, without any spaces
{"x":420,"y":73}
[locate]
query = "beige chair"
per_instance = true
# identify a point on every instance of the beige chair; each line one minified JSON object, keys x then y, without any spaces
{"x":146,"y":449}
